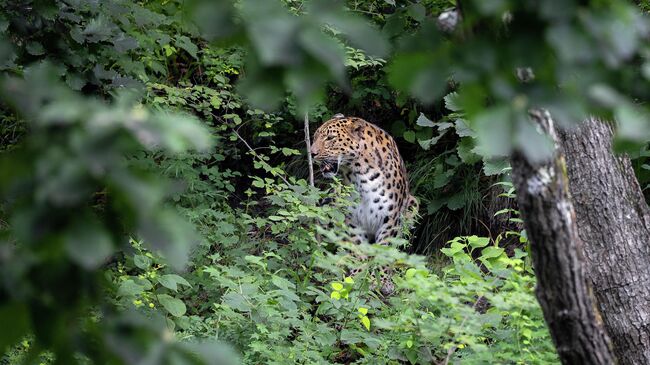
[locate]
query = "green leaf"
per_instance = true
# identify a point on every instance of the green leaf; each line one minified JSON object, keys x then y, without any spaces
{"x":335,"y":295}
{"x":236,"y":301}
{"x":491,"y":252}
{"x":141,"y":261}
{"x":35,"y":49}
{"x":417,"y":11}
{"x":349,"y":336}
{"x":171,"y":281}
{"x":463,"y":129}
{"x":476,"y":241}
{"x":337,"y":286}
{"x":465,"y":148}
{"x":632,"y":123}
{"x":174,"y":306}
{"x":424,"y":121}
{"x":366,"y":322}
{"x":4,"y":24}
{"x":282,"y":283}
{"x":171,"y":235}
{"x":410,"y":273}
{"x":409,"y":136}
{"x":360,"y":33}
{"x":88,"y":244}
{"x":495,"y":167}
{"x":494,"y":131}
{"x":129,"y":288}
{"x":363,"y":310}
{"x":15,"y":321}
{"x":456,"y":201}
{"x":186,"y":44}
{"x":453,"y":249}
{"x":426,"y":144}
{"x":451,"y":102}
{"x":535,"y":145}
{"x":328,"y":51}
{"x":273,"y":32}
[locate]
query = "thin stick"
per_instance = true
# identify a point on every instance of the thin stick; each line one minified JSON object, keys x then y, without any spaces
{"x":252,"y":151}
{"x":255,"y":154}
{"x":308,"y":143}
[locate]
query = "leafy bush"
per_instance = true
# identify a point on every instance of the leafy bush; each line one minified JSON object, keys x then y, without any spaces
{"x":273,"y":283}
{"x":102,"y":191}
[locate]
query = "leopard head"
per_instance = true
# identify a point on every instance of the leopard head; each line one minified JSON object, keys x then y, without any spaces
{"x":336,"y":144}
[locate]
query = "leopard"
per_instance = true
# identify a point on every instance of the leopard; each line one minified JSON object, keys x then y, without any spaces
{"x":367,"y":157}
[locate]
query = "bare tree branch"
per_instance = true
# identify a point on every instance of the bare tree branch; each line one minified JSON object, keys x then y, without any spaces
{"x":308,"y":145}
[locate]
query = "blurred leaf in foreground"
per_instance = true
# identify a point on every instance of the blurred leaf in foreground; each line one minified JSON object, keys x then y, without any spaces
{"x":71,"y":199}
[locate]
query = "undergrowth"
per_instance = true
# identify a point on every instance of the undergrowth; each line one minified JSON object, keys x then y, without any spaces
{"x":274,"y":286}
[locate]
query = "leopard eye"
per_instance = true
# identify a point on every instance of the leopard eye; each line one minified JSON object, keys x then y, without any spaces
{"x":330,"y":137}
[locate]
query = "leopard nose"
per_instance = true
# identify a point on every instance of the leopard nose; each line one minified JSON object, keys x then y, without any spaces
{"x":313,"y":151}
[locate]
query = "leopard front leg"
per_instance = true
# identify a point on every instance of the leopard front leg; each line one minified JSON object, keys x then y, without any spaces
{"x":388,"y":229}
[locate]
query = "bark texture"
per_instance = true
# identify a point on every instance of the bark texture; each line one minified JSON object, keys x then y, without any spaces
{"x":562,"y":284}
{"x":613,"y":221}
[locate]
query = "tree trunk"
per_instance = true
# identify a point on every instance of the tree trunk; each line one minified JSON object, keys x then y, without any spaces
{"x":613,"y":221}
{"x":562,"y":285}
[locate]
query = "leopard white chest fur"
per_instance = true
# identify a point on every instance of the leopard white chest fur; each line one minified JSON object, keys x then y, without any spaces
{"x":376,"y":205}
{"x":368,"y":158}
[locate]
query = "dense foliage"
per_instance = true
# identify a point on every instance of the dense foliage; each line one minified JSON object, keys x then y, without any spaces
{"x":153,"y":201}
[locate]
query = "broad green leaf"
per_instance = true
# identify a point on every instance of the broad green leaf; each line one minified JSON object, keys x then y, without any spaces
{"x":186,"y":44}
{"x":16,"y":324}
{"x":337,"y":286}
{"x":357,"y":30}
{"x":35,"y":49}
{"x":451,"y":102}
{"x":465,"y":148}
{"x":475,"y":241}
{"x":141,"y":261}
{"x":88,"y":244}
{"x":282,"y":283}
{"x":366,"y":322}
{"x":535,"y":145}
{"x":417,"y":11}
{"x":410,"y":273}
{"x":326,"y":50}
{"x":170,"y":234}
{"x":174,"y":306}
{"x":491,"y":252}
{"x":495,"y":167}
{"x":130,"y":288}
{"x":456,"y":201}
{"x":273,"y":32}
{"x":463,"y":129}
{"x":236,"y":301}
{"x":632,"y":123}
{"x":424,"y":121}
{"x":494,"y":131}
{"x":171,"y":281}
{"x":454,"y":248}
{"x":409,"y":136}
{"x":350,"y":336}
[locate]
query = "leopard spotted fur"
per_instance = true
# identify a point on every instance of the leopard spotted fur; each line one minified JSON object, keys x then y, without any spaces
{"x":367,"y":157}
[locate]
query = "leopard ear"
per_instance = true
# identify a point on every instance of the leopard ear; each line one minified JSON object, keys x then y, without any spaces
{"x":357,"y":126}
